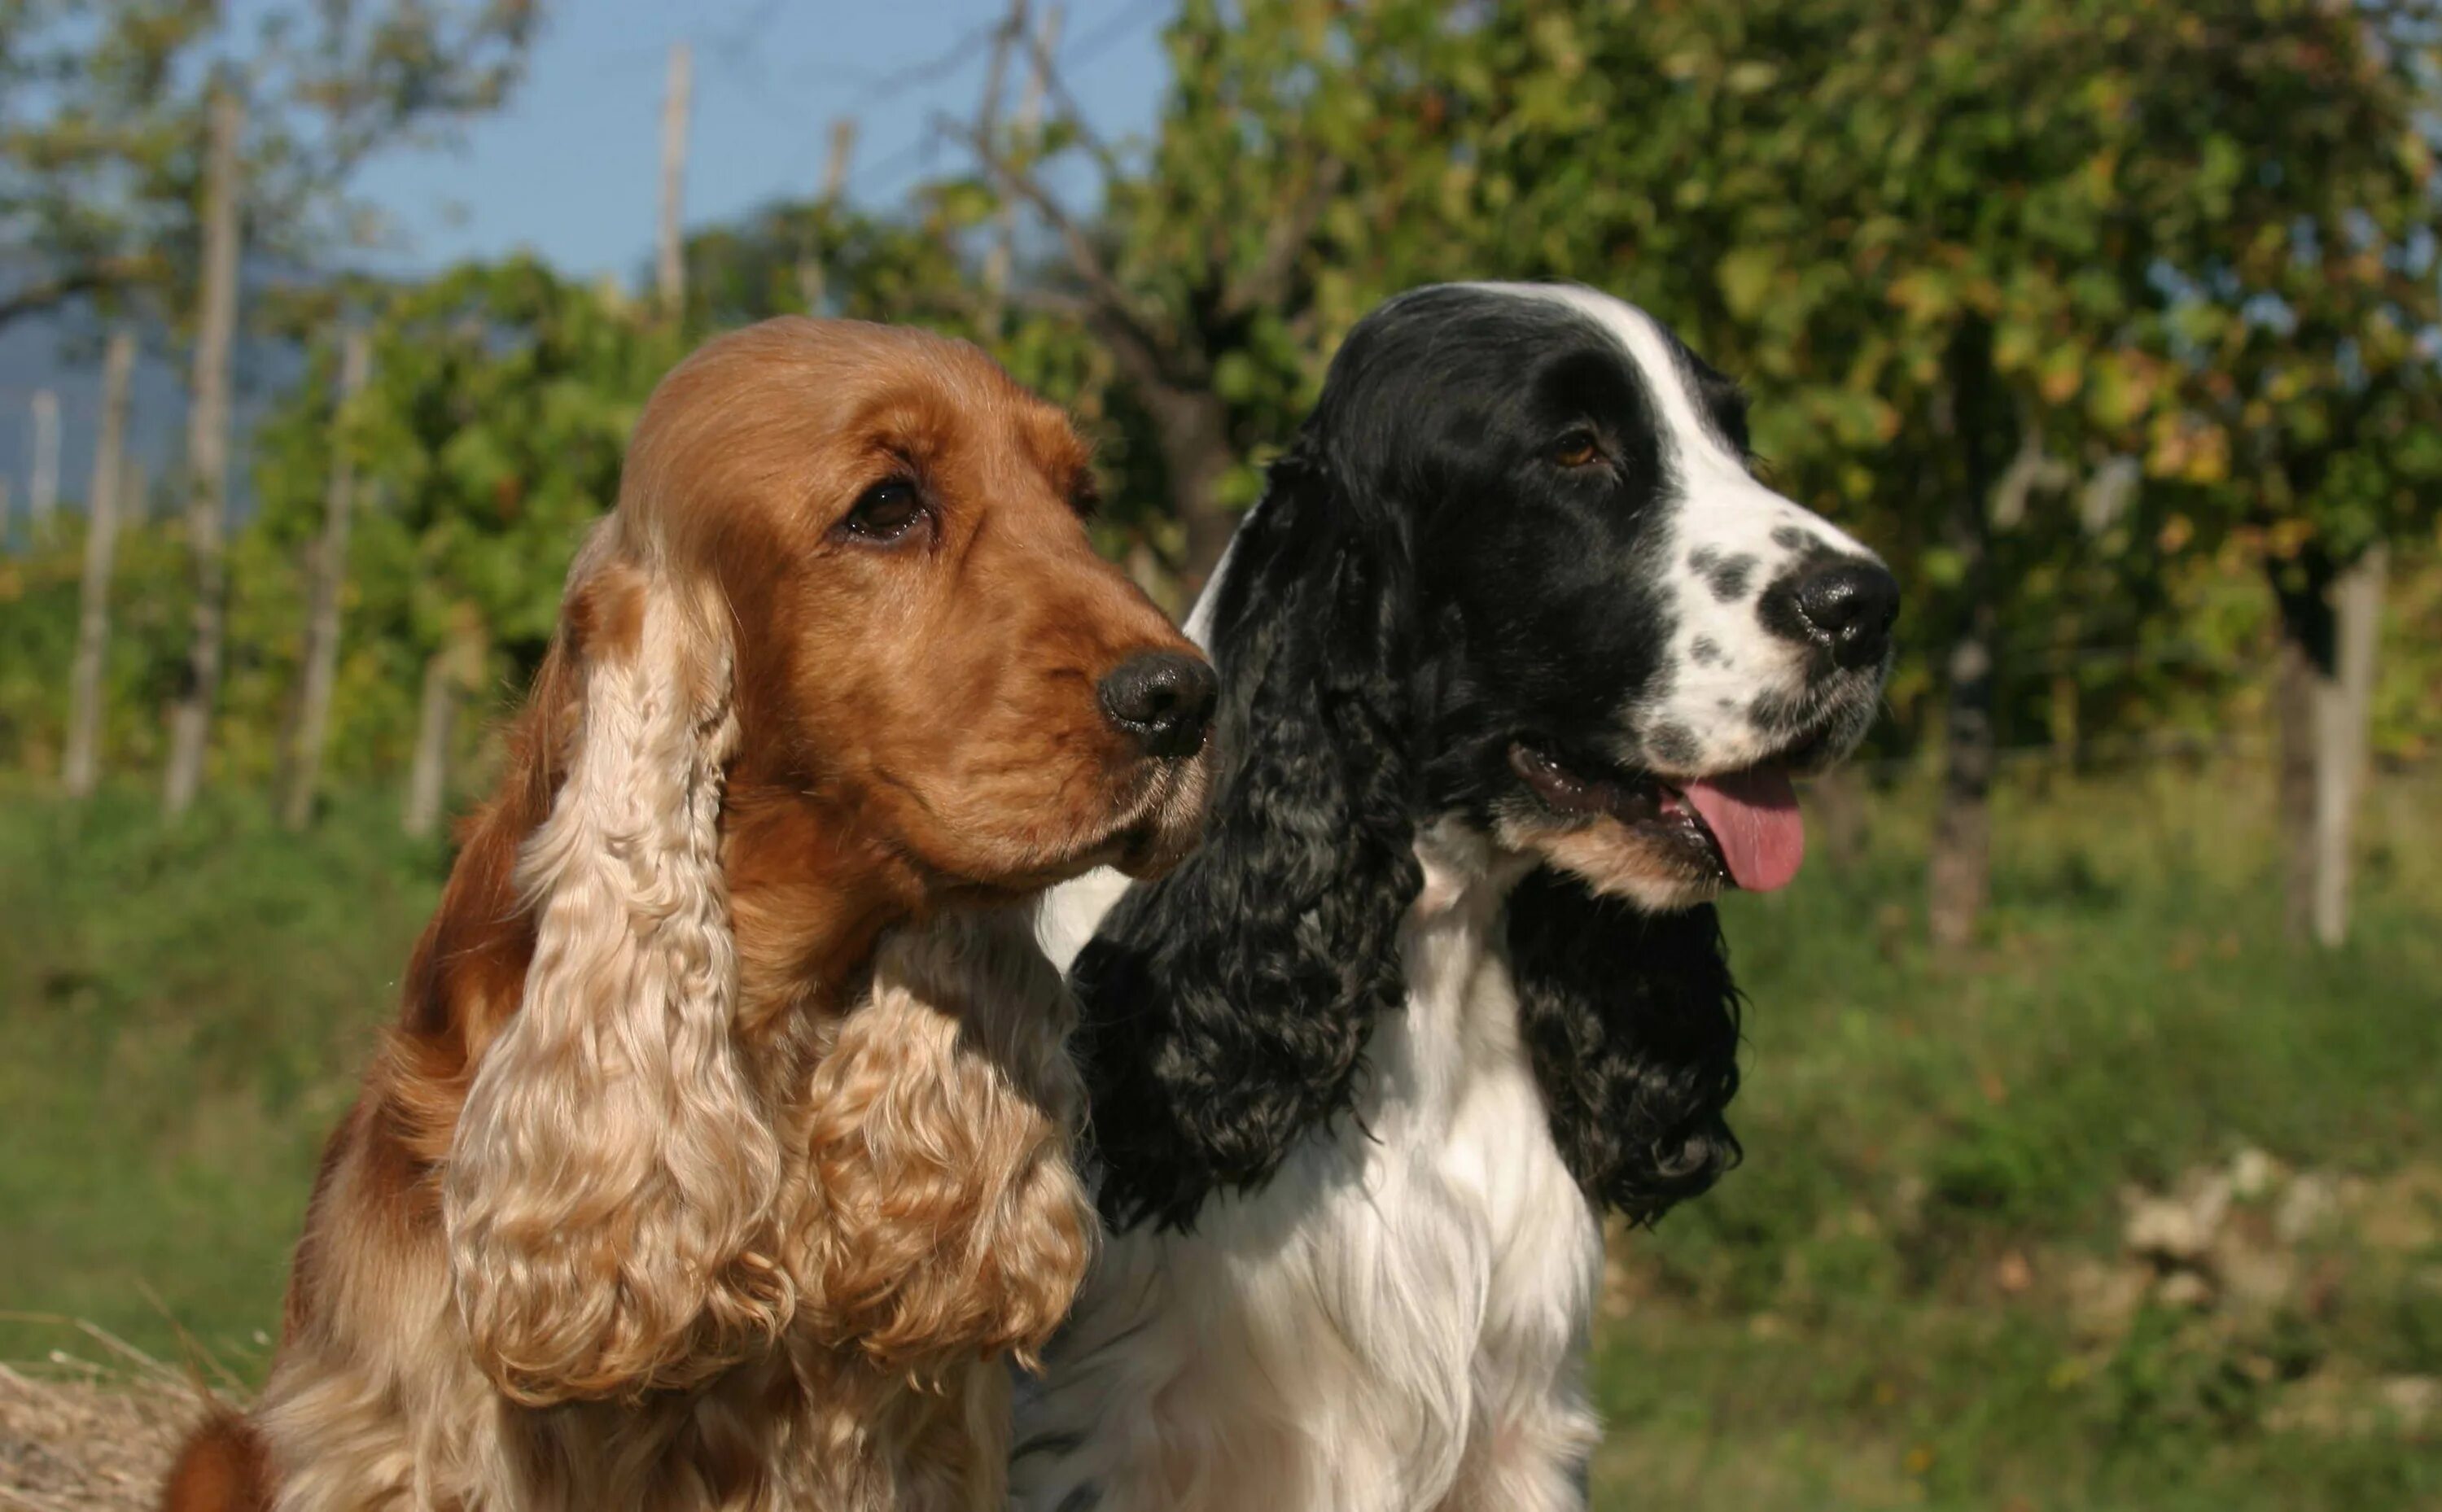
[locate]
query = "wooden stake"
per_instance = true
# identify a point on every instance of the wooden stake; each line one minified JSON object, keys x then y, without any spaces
{"x":670,"y":283}
{"x":43,"y":498}
{"x":452,"y":670}
{"x":81,"y":769}
{"x":1001,"y":257}
{"x":810,"y":277}
{"x":2343,"y":711}
{"x":330,"y":576}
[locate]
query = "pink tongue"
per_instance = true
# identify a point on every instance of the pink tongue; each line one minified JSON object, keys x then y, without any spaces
{"x":1754,"y":816}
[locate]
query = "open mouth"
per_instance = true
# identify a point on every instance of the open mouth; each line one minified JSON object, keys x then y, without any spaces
{"x":1741,"y":826}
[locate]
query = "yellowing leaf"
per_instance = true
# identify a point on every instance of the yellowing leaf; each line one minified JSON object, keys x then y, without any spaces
{"x":1746,"y":277}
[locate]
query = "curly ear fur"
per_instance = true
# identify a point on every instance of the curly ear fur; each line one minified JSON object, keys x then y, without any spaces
{"x":611,"y":1181}
{"x":942,"y":1220}
{"x":1631,"y":1022}
{"x":1226,"y":1006}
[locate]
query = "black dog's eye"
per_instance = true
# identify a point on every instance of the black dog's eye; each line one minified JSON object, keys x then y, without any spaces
{"x":887,"y":512}
{"x":1576,"y":450}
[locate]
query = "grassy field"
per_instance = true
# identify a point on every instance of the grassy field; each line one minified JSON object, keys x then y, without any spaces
{"x":2137,"y":1208}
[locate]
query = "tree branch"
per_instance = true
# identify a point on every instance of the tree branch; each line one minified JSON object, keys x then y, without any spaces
{"x":1109,"y":298}
{"x":1065,"y":106}
{"x":91,"y":277}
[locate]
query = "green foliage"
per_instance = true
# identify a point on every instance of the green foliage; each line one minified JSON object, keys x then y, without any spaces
{"x":1871,"y":213}
{"x":486,"y":443}
{"x":92,"y":136}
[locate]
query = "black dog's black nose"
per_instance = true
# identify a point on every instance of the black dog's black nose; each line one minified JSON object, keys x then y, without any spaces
{"x":1850,"y":606}
{"x":1161,"y":698}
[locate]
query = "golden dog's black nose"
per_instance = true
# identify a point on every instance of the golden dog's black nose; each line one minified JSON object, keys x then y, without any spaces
{"x":1162,"y":699}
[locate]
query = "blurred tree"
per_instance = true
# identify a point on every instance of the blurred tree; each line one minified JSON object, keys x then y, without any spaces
{"x":1967,"y":259}
{"x":127,"y":156}
{"x":486,"y":441}
{"x":102,"y":118}
{"x":1294,"y":179}
{"x":2310,"y":416}
{"x":89,"y":121}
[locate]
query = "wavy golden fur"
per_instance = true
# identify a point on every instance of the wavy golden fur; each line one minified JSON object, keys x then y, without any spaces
{"x":720,"y":1154}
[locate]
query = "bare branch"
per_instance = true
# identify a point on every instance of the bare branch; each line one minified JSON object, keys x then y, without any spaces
{"x":1110,"y":299}
{"x":1065,"y":106}
{"x":91,"y":277}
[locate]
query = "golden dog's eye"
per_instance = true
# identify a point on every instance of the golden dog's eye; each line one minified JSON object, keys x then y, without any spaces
{"x":1576,"y":450}
{"x":887,"y":512}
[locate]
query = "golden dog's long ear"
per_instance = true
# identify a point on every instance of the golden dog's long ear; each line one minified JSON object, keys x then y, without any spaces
{"x":612,"y":1177}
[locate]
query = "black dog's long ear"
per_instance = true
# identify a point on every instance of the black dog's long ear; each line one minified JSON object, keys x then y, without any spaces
{"x":1632,"y":1024}
{"x":1225,"y":1006}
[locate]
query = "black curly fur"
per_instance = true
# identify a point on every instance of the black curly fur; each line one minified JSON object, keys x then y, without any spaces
{"x":1227,"y":1003}
{"x":1631,"y":1022}
{"x":1419,"y":588}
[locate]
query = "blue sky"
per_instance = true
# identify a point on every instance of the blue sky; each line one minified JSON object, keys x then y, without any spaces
{"x":570,"y":168}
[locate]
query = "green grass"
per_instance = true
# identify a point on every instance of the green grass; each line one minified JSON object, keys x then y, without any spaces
{"x":182,"y":1015}
{"x":1882,"y":1308}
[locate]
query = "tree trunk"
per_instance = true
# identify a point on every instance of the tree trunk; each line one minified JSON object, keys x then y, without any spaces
{"x":2331,"y":622}
{"x":428,"y":779}
{"x":2306,"y":661}
{"x":2306,"y":650}
{"x":80,"y":769}
{"x":1193,"y":427}
{"x":1959,"y":870}
{"x":670,"y":277}
{"x":2063,"y":722}
{"x":208,"y":439}
{"x":330,"y":578}
{"x":43,"y":495}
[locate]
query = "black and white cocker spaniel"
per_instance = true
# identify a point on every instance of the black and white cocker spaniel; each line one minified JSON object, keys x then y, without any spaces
{"x":1518,"y":660}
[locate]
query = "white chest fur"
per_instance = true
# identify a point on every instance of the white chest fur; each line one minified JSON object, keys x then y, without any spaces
{"x":1396,"y":1321}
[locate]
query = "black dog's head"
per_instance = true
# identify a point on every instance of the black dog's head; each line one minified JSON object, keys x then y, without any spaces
{"x":1514,"y":570}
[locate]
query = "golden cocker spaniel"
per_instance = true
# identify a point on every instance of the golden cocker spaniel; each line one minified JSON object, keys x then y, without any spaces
{"x":719,"y":1153}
